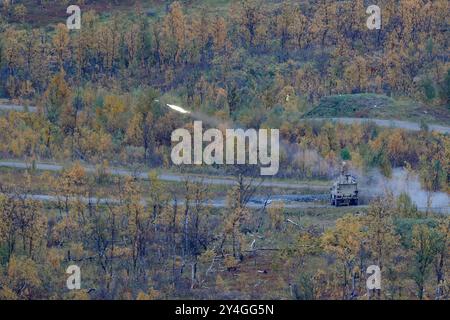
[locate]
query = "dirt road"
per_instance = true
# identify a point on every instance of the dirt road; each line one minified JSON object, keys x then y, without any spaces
{"x":406,"y":125}
{"x":170,"y":177}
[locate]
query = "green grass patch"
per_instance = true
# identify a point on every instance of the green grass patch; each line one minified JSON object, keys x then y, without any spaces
{"x":369,"y":105}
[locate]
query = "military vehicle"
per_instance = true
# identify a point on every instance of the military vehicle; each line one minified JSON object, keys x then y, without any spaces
{"x":344,"y":190}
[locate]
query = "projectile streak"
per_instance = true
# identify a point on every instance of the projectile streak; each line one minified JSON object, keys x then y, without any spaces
{"x":177,"y":108}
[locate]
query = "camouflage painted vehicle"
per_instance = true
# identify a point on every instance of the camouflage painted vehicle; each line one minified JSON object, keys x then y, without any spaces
{"x":344,"y":191}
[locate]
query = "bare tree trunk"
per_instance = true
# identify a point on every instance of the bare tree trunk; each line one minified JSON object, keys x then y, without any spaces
{"x":193,"y":274}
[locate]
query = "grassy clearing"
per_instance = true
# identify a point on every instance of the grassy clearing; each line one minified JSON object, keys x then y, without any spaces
{"x":322,"y":217}
{"x":380,"y":107}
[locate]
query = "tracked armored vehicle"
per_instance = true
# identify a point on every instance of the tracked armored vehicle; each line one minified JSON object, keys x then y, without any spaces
{"x":344,"y":191}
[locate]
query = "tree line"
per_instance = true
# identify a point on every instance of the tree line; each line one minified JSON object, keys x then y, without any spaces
{"x":252,"y":55}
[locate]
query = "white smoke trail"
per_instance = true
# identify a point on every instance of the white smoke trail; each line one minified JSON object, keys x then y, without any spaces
{"x":178,"y":109}
{"x":403,"y":182}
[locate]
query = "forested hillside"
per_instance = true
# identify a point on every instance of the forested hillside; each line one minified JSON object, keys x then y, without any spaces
{"x":307,"y":50}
